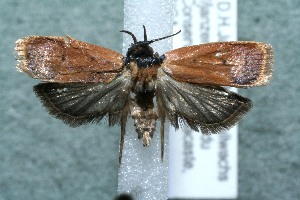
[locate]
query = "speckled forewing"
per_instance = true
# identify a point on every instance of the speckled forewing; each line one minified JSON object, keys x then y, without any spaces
{"x":56,"y":59}
{"x":237,"y":64}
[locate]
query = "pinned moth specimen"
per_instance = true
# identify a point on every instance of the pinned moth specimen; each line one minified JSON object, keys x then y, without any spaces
{"x":83,"y":83}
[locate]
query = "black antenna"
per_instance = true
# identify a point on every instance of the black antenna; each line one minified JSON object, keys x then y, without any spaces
{"x":133,"y":37}
{"x":151,"y":41}
{"x":145,"y":36}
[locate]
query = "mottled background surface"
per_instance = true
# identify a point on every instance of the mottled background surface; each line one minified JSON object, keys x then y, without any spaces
{"x":42,"y":158}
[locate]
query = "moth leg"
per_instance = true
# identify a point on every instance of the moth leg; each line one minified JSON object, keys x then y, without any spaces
{"x":162,"y":116}
{"x":123,"y":127}
{"x":162,"y":138}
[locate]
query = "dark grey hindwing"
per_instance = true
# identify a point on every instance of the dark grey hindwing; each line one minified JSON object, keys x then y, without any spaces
{"x":81,"y":103}
{"x":209,"y":108}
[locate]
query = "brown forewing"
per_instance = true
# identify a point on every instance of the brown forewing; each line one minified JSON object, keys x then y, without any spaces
{"x":237,"y":64}
{"x":56,"y":59}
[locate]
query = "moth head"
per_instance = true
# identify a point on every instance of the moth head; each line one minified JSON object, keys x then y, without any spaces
{"x":142,"y":49}
{"x":139,"y":50}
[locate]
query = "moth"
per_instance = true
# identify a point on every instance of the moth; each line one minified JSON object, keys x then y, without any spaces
{"x":84,"y":83}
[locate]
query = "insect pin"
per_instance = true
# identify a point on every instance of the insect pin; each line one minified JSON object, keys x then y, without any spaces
{"x":84,"y":83}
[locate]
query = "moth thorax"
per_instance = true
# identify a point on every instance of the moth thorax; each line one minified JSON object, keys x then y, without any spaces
{"x":144,"y":122}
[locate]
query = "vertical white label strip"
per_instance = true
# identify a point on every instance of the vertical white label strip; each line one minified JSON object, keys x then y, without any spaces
{"x":203,"y":166}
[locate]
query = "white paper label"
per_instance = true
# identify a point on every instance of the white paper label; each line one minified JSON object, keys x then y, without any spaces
{"x":203,"y":166}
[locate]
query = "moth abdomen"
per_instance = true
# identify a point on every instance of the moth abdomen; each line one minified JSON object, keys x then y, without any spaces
{"x":144,"y":116}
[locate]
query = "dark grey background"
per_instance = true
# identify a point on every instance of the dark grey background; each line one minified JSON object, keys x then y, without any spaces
{"x":42,"y":158}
